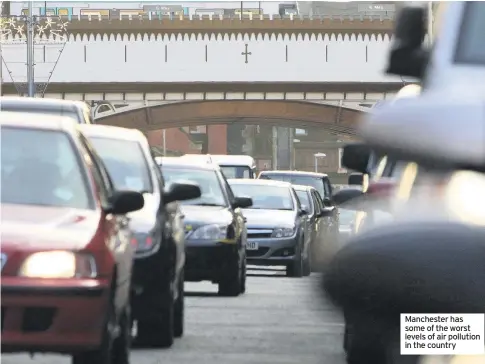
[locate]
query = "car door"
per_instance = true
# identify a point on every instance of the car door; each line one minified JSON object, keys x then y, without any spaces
{"x":312,"y":217}
{"x":172,"y":215}
{"x":319,"y":219}
{"x":118,"y":234}
{"x":239,"y":219}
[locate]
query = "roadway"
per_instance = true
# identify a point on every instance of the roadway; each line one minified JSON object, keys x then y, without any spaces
{"x":279,"y":320}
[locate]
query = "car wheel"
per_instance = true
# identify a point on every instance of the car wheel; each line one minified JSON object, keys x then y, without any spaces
{"x":159,"y":332}
{"x":179,"y":308}
{"x":230,"y":285}
{"x":103,"y":354}
{"x":295,"y":269}
{"x":244,"y":275}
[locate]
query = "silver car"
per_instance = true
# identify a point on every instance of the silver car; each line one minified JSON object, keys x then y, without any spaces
{"x":277,"y":225}
{"x":77,"y":110}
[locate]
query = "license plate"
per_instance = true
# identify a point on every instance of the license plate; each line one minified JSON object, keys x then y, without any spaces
{"x":252,"y":245}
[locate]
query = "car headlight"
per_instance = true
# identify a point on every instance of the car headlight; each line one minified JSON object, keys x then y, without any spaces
{"x":58,"y":264}
{"x":209,"y":232}
{"x":283,"y":232}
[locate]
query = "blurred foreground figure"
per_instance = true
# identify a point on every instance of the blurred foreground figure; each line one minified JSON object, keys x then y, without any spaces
{"x":426,"y":266}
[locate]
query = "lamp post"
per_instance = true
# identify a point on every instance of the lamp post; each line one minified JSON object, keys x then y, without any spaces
{"x":318,"y":155}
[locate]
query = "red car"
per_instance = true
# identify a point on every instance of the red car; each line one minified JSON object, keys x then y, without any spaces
{"x":66,"y":256}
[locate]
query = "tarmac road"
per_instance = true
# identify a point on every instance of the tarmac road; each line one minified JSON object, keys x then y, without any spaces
{"x":279,"y":320}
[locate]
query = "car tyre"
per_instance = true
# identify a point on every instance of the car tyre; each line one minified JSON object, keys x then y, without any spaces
{"x":159,"y":332}
{"x":103,"y":354}
{"x":179,"y":308}
{"x":243,"y":277}
{"x":230,"y":285}
{"x":295,"y":269}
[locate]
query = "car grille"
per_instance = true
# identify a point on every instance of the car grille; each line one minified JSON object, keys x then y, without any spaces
{"x":33,"y":319}
{"x":259,"y":233}
{"x":256,"y":253}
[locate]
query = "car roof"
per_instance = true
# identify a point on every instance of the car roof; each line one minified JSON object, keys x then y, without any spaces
{"x":296,"y":173}
{"x":9,"y":101}
{"x":112,"y":132}
{"x":239,"y":160}
{"x":185,"y":163}
{"x":303,"y":188}
{"x":258,"y":182}
{"x":38,"y":121}
{"x":197,"y":157}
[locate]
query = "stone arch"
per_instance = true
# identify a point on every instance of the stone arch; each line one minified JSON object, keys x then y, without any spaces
{"x":206,"y":112}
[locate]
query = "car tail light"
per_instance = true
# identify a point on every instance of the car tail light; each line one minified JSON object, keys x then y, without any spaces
{"x":142,"y":241}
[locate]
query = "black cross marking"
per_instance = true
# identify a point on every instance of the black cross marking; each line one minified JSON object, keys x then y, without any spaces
{"x":246,"y":53}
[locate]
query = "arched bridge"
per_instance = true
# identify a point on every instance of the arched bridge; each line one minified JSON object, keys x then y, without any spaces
{"x":289,"y":113}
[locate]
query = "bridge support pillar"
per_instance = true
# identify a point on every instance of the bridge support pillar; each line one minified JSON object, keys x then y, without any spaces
{"x":284,"y":148}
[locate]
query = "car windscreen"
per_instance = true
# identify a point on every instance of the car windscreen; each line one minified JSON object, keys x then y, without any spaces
{"x":41,"y":110}
{"x":265,"y":197}
{"x":470,"y":47}
{"x":236,"y":171}
{"x":42,"y":167}
{"x":208,"y":181}
{"x":315,"y":182}
{"x":305,"y":200}
{"x":125,"y":162}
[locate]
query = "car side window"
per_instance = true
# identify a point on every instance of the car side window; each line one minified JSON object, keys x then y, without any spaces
{"x":228,"y":188}
{"x":319,"y":201}
{"x":295,"y":197}
{"x":327,"y":187}
{"x":158,"y":171}
{"x":100,"y":175}
{"x":317,"y":207}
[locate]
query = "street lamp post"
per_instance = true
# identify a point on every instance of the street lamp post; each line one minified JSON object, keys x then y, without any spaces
{"x":318,"y":155}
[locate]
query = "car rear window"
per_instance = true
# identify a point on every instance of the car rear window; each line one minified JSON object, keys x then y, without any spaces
{"x":42,"y":167}
{"x":126,"y":163}
{"x":42,"y":110}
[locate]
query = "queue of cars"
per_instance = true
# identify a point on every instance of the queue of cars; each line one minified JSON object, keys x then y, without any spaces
{"x":98,"y":237}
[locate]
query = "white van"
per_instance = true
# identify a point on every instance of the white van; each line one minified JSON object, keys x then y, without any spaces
{"x":232,"y":166}
{"x":236,"y":166}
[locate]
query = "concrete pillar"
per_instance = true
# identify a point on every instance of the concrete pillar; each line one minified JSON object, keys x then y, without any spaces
{"x":284,"y":148}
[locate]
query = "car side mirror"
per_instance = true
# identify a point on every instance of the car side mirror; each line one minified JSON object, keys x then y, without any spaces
{"x":327,"y":201}
{"x":407,"y":56}
{"x":123,"y":202}
{"x":356,"y":157}
{"x":303,"y":211}
{"x":181,"y":192}
{"x":242,"y":202}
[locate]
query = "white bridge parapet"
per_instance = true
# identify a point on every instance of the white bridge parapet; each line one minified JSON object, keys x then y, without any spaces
{"x":249,"y":57}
